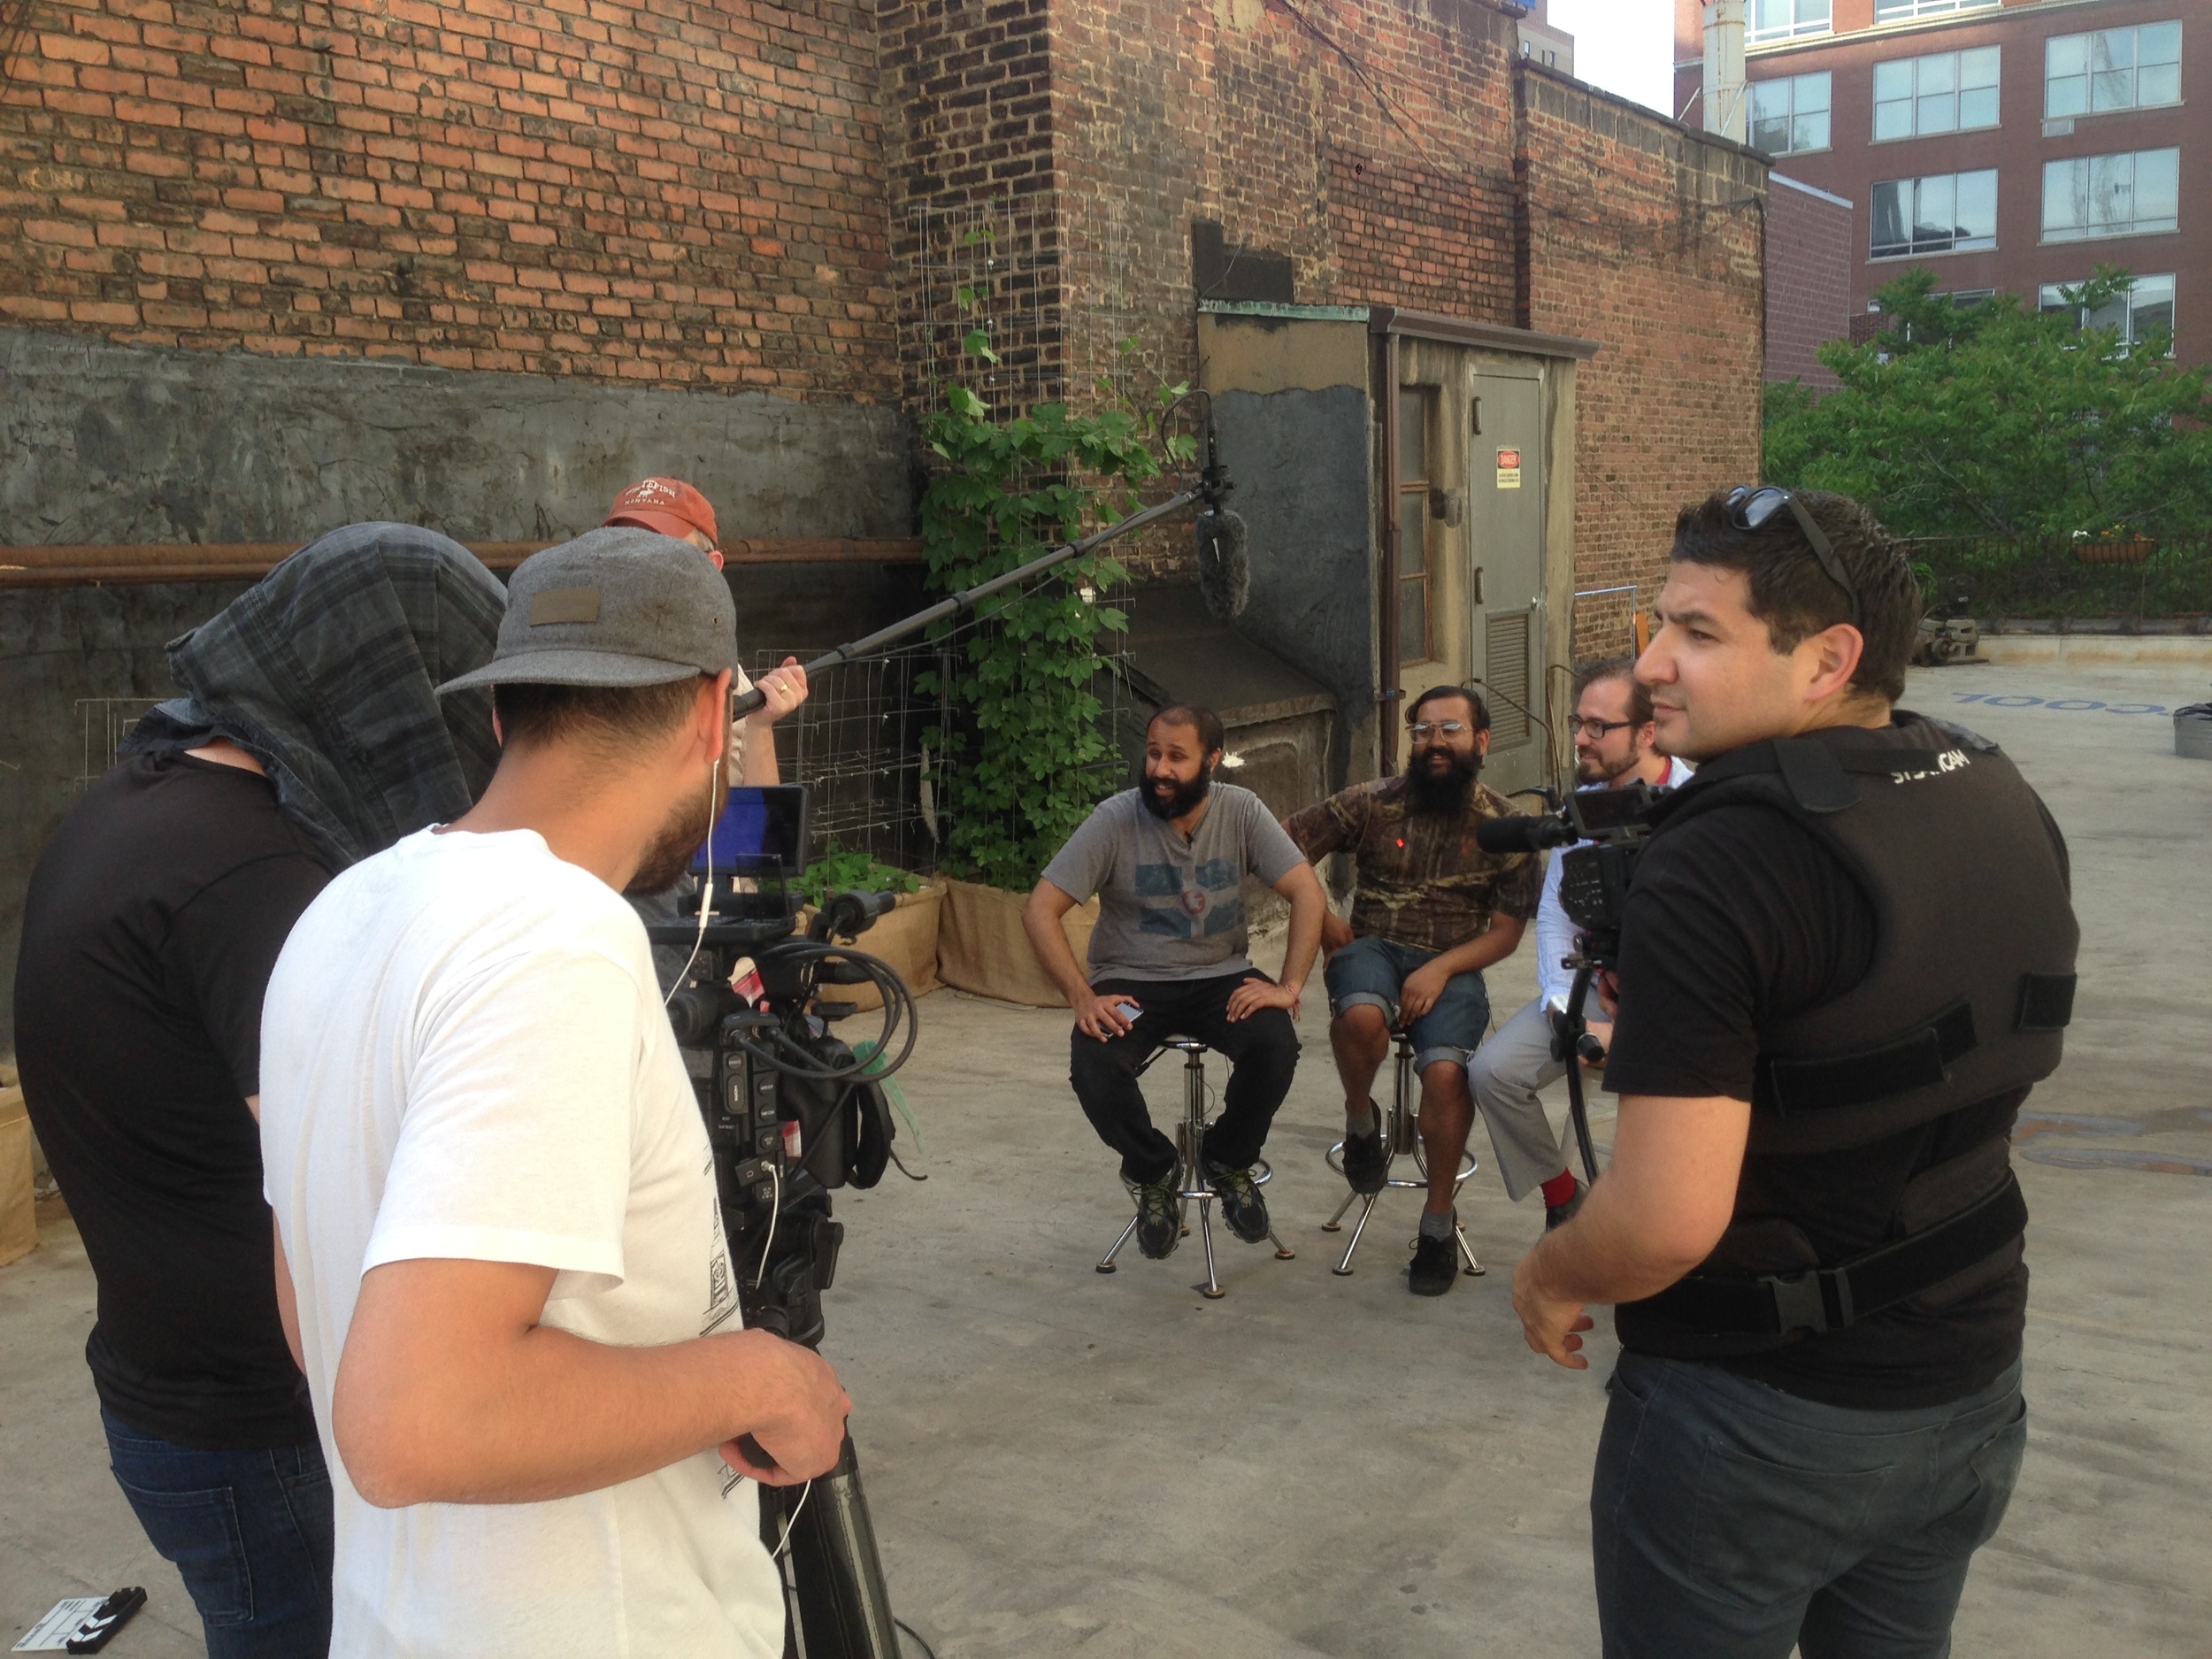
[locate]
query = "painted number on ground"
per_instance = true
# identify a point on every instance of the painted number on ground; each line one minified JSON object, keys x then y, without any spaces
{"x":2062,"y":705}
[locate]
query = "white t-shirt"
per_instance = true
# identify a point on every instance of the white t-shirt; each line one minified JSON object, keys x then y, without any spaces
{"x":463,"y":1055}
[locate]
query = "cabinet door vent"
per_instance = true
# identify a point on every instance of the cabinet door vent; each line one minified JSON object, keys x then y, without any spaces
{"x":1506,"y":660}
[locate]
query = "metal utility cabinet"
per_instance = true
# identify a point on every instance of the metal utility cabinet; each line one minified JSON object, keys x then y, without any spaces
{"x":1409,"y":480}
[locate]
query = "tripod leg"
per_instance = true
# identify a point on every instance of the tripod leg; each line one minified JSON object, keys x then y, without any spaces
{"x":1343,"y":1269}
{"x":844,"y":1608}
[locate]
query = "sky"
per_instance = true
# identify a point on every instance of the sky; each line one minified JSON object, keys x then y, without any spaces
{"x":1626,"y":46}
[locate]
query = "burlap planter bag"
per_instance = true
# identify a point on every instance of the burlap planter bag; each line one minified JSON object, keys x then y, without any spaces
{"x":19,"y":1221}
{"x":981,"y":948}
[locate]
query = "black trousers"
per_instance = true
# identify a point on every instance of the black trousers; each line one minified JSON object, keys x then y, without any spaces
{"x":1261,"y":1049}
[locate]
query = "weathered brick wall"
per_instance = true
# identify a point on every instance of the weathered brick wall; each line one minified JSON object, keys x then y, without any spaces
{"x":683,"y":192}
{"x":1379,"y":161}
{"x":1810,"y":246}
{"x":1648,"y":239}
{"x":973,"y":199}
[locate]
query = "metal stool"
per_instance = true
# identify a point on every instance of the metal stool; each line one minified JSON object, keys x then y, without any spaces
{"x":1188,"y":1139}
{"x":1399,"y":1136}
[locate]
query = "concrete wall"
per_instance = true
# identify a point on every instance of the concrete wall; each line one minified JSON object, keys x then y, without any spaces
{"x":106,"y":443}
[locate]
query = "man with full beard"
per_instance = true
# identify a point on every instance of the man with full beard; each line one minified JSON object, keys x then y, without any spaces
{"x":1430,"y":911}
{"x":1168,"y":861}
{"x":1616,"y":745}
{"x":514,"y":1304}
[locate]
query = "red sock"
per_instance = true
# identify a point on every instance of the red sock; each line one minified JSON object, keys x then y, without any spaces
{"x":1559,"y":1189}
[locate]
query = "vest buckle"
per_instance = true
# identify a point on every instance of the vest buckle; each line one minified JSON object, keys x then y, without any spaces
{"x":1816,"y":1300}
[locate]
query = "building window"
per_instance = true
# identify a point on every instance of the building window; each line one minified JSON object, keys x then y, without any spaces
{"x":2111,"y":69}
{"x":2145,"y":308}
{"x":1780,"y":20}
{"x":2111,"y":195}
{"x":1903,"y":11}
{"x":1947,"y":92}
{"x":1413,"y":641}
{"x":1790,"y":115}
{"x":1946,"y":213}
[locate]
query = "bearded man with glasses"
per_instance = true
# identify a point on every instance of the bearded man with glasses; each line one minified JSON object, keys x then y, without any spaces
{"x":1616,"y":745}
{"x":1430,"y":911}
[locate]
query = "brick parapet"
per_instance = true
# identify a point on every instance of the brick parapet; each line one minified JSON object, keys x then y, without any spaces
{"x":1649,"y":239}
{"x":671,"y":193}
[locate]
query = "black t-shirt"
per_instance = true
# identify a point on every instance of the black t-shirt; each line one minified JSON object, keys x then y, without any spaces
{"x":150,"y":930}
{"x":1740,"y":917}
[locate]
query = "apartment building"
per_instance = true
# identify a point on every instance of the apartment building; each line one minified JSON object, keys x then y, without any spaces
{"x":2003,"y":144}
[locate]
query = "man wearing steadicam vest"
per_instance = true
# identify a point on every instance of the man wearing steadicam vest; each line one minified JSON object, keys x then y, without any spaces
{"x":1847,"y":952}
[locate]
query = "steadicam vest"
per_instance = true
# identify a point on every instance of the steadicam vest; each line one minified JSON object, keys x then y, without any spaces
{"x":1970,"y":989}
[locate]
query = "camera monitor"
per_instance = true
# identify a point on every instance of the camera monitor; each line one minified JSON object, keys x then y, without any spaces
{"x":761,"y":832}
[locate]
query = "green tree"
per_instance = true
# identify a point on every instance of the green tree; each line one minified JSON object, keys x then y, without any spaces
{"x":1025,"y":755}
{"x":1990,"y":419}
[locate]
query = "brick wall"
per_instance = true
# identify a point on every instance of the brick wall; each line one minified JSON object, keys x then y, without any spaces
{"x":972,"y":198}
{"x":683,"y":192}
{"x":1647,"y":238}
{"x":1372,"y":142}
{"x":1810,"y":259}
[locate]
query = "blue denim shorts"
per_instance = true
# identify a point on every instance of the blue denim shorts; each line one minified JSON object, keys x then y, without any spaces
{"x":1370,"y":972}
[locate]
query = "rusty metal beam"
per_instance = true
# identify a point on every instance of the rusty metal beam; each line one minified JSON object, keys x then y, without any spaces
{"x":87,"y":567}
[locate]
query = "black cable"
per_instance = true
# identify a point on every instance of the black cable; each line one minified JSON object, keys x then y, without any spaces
{"x":928,"y":1652}
{"x":898,"y":1010}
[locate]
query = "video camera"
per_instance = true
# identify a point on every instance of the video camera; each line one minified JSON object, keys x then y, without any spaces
{"x":1604,"y":831}
{"x":1593,"y":878}
{"x":792,"y":1113}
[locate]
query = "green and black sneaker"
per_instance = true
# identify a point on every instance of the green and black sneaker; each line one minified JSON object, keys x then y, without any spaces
{"x":1241,"y":1205}
{"x":1159,"y":1213}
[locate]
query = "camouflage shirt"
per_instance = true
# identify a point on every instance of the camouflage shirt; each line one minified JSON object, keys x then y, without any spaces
{"x":1422,"y":880}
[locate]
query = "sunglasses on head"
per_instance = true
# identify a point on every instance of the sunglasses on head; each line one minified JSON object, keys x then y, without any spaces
{"x":1753,"y":507}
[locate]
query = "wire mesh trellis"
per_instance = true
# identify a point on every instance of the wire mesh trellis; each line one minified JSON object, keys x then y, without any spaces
{"x":106,"y":722}
{"x":860,"y":745}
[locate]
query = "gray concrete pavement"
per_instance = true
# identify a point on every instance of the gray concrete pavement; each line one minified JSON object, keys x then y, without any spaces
{"x":1062,"y":1462}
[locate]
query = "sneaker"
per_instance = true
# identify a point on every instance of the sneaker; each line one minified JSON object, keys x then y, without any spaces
{"x":1365,"y":1166}
{"x":1241,"y":1205}
{"x":1435,"y":1265}
{"x":1560,"y":1215}
{"x":1159,"y":1214}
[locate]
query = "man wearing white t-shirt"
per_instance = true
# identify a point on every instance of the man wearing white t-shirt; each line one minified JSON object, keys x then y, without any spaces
{"x":1616,"y":745}
{"x":499,"y":1249}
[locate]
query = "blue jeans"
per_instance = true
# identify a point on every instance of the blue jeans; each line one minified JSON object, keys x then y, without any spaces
{"x":250,"y":1532}
{"x":1370,"y":971}
{"x":1730,"y":1520}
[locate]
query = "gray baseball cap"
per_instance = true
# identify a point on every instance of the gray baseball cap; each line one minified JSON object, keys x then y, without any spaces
{"x":616,"y":606}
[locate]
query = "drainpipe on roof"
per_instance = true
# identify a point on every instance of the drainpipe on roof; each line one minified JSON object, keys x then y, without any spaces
{"x":1723,"y":90}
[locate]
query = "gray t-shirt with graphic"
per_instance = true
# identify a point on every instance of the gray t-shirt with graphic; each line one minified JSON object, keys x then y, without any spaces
{"x":1169,"y":909}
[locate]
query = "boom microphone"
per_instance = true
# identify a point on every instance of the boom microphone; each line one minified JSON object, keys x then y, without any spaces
{"x":1523,"y":834}
{"x":1225,"y":566}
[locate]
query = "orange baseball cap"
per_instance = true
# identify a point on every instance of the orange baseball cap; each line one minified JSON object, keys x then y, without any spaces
{"x":668,"y":505}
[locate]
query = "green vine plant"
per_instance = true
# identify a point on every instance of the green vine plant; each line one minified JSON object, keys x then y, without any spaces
{"x":850,"y":869}
{"x":1023,"y":756}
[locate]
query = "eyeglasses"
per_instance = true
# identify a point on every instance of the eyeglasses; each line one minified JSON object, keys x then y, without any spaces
{"x":1596,"y":728}
{"x":1753,"y":507}
{"x":1421,"y":731}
